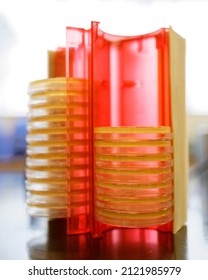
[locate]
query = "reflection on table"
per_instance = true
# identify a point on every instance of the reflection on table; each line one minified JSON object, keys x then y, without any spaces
{"x":116,"y":244}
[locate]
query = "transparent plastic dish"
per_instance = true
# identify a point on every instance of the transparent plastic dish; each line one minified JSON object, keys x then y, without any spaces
{"x":62,"y":84}
{"x":132,"y":150}
{"x":49,"y":213}
{"x":134,"y":220}
{"x":32,"y":150}
{"x":140,"y":191}
{"x":55,"y":138}
{"x":132,"y":133}
{"x":54,"y":185}
{"x":134,"y":164}
{"x":132,"y":205}
{"x":49,"y":197}
{"x":57,"y":131}
{"x":45,"y":174}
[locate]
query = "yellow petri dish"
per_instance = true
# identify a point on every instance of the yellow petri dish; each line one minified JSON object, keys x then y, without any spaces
{"x":132,"y":129}
{"x":139,"y":192}
{"x":135,"y":220}
{"x":131,"y":204}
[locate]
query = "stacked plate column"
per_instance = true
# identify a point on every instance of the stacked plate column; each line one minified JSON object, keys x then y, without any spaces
{"x":133,"y":176}
{"x":48,"y":153}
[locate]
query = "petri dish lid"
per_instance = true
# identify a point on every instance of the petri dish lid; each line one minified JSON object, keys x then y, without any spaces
{"x":62,"y":84}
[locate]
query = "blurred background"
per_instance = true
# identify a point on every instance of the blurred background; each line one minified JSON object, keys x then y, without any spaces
{"x":28,"y":29}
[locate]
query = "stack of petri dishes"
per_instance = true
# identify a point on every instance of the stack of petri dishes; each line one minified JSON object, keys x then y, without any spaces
{"x":57,"y":147}
{"x":133,"y":176}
